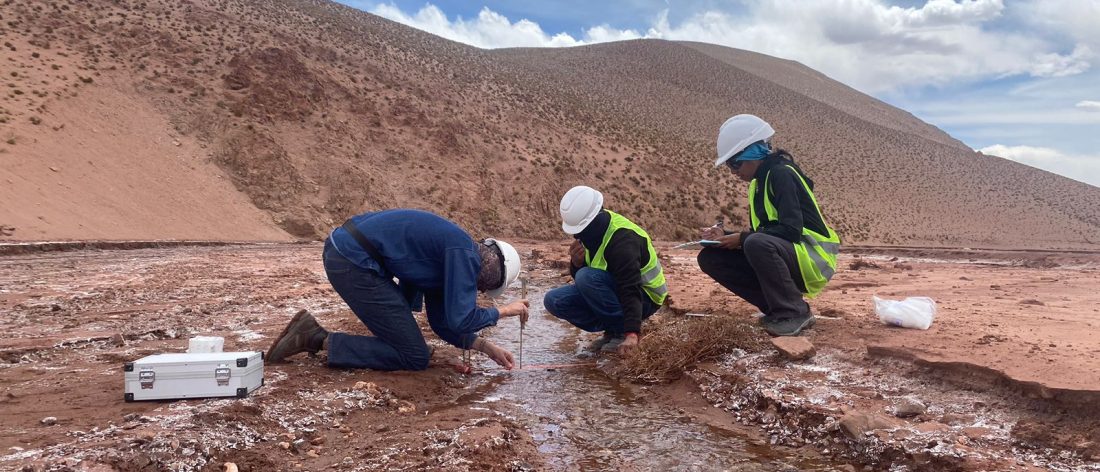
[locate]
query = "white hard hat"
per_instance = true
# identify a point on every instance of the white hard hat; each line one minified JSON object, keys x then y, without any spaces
{"x":511,"y":266}
{"x":579,"y":206}
{"x":737,"y":133}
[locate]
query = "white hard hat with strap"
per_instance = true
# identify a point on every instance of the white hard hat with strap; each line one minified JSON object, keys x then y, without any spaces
{"x":737,"y":133}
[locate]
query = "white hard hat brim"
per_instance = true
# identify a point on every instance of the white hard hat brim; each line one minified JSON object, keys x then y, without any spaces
{"x":577,"y":228}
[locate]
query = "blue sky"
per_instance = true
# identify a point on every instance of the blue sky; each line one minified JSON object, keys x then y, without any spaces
{"x":1019,"y":78}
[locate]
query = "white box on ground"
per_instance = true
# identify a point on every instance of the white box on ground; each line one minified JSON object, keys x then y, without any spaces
{"x":194,"y":375}
{"x":205,"y":344}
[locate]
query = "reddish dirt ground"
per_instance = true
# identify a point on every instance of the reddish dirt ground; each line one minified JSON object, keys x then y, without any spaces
{"x":73,"y":318}
{"x":1007,"y":372}
{"x":1009,"y":363}
{"x":1027,"y":317}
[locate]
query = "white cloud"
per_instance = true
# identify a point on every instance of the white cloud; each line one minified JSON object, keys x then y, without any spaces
{"x":941,"y":12}
{"x":605,"y":33}
{"x":1084,"y":168}
{"x":489,"y":30}
{"x":1075,"y":19}
{"x":1088,"y":105}
{"x":876,"y":48}
{"x":1056,"y":65}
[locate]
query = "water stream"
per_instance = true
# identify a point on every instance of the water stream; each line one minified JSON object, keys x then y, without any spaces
{"x":582,"y":419}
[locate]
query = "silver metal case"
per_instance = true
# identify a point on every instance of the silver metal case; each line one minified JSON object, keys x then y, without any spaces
{"x":194,"y":375}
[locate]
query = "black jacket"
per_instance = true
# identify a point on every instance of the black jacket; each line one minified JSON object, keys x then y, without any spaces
{"x":626,"y":254}
{"x":792,"y":203}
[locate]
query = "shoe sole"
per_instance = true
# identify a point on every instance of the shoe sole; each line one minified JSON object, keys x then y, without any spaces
{"x":297,"y":317}
{"x":805,"y":325}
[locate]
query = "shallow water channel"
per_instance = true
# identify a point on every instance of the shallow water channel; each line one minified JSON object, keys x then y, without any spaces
{"x":581,"y":419}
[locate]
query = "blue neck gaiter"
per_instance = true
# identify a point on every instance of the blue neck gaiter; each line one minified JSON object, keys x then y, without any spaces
{"x":754,"y":152}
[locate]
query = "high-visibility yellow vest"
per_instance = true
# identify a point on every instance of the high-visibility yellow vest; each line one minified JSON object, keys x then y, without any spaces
{"x":816,"y":252}
{"x":653,"y":276}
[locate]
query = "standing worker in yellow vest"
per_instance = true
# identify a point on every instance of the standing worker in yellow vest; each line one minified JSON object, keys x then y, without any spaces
{"x":789,"y":250}
{"x":618,"y":281}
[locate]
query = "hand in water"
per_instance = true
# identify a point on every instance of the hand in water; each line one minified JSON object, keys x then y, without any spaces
{"x":516,"y":308}
{"x":498,"y":354}
{"x":629,"y":345}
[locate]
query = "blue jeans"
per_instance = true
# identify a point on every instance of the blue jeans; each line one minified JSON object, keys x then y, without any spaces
{"x":591,"y":302}
{"x":397,"y":343}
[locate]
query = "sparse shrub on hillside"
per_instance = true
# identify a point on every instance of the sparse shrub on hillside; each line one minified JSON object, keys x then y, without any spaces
{"x":567,"y":115}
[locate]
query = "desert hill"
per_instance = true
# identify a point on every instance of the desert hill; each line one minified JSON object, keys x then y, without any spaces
{"x":274,"y":119}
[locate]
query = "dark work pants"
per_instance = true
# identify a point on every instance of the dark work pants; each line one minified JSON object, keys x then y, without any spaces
{"x":764,"y":272}
{"x":591,"y":303}
{"x":397,"y":343}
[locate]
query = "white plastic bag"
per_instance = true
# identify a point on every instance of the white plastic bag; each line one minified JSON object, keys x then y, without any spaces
{"x":913,"y":312}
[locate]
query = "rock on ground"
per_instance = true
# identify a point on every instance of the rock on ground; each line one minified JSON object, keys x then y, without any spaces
{"x":794,"y":347}
{"x":857,"y":424}
{"x":909,"y":407}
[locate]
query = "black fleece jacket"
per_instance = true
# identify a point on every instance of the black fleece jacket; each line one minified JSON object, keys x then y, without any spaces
{"x":792,"y":202}
{"x":626,"y":254}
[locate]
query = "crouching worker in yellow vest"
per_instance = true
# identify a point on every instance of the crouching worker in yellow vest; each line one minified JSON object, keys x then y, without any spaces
{"x":789,"y":250}
{"x":618,"y":281}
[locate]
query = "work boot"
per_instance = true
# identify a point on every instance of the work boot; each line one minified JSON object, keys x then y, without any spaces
{"x":789,"y":326}
{"x":598,"y":344}
{"x":302,"y":334}
{"x":612,"y":345}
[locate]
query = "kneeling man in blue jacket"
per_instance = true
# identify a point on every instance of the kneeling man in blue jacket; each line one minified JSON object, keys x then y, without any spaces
{"x":428,"y":255}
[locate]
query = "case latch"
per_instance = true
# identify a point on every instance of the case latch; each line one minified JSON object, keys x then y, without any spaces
{"x":147,"y":377}
{"x":221,"y":375}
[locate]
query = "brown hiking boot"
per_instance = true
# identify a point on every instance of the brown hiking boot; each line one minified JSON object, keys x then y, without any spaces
{"x":302,"y":334}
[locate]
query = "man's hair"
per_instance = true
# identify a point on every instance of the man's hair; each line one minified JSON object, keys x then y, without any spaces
{"x":491,"y":275}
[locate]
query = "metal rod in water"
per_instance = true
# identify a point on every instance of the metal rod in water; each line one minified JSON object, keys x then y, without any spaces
{"x":522,"y":322}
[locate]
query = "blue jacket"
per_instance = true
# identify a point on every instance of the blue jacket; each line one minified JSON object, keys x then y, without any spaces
{"x":429,"y":254}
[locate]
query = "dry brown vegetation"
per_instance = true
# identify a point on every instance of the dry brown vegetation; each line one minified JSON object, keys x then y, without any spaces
{"x":677,"y":343}
{"x":316,"y":111}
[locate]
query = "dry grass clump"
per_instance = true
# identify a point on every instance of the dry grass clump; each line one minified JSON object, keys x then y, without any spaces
{"x":678,"y":343}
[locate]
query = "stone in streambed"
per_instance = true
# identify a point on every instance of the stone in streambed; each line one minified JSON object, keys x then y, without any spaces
{"x":857,"y":424}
